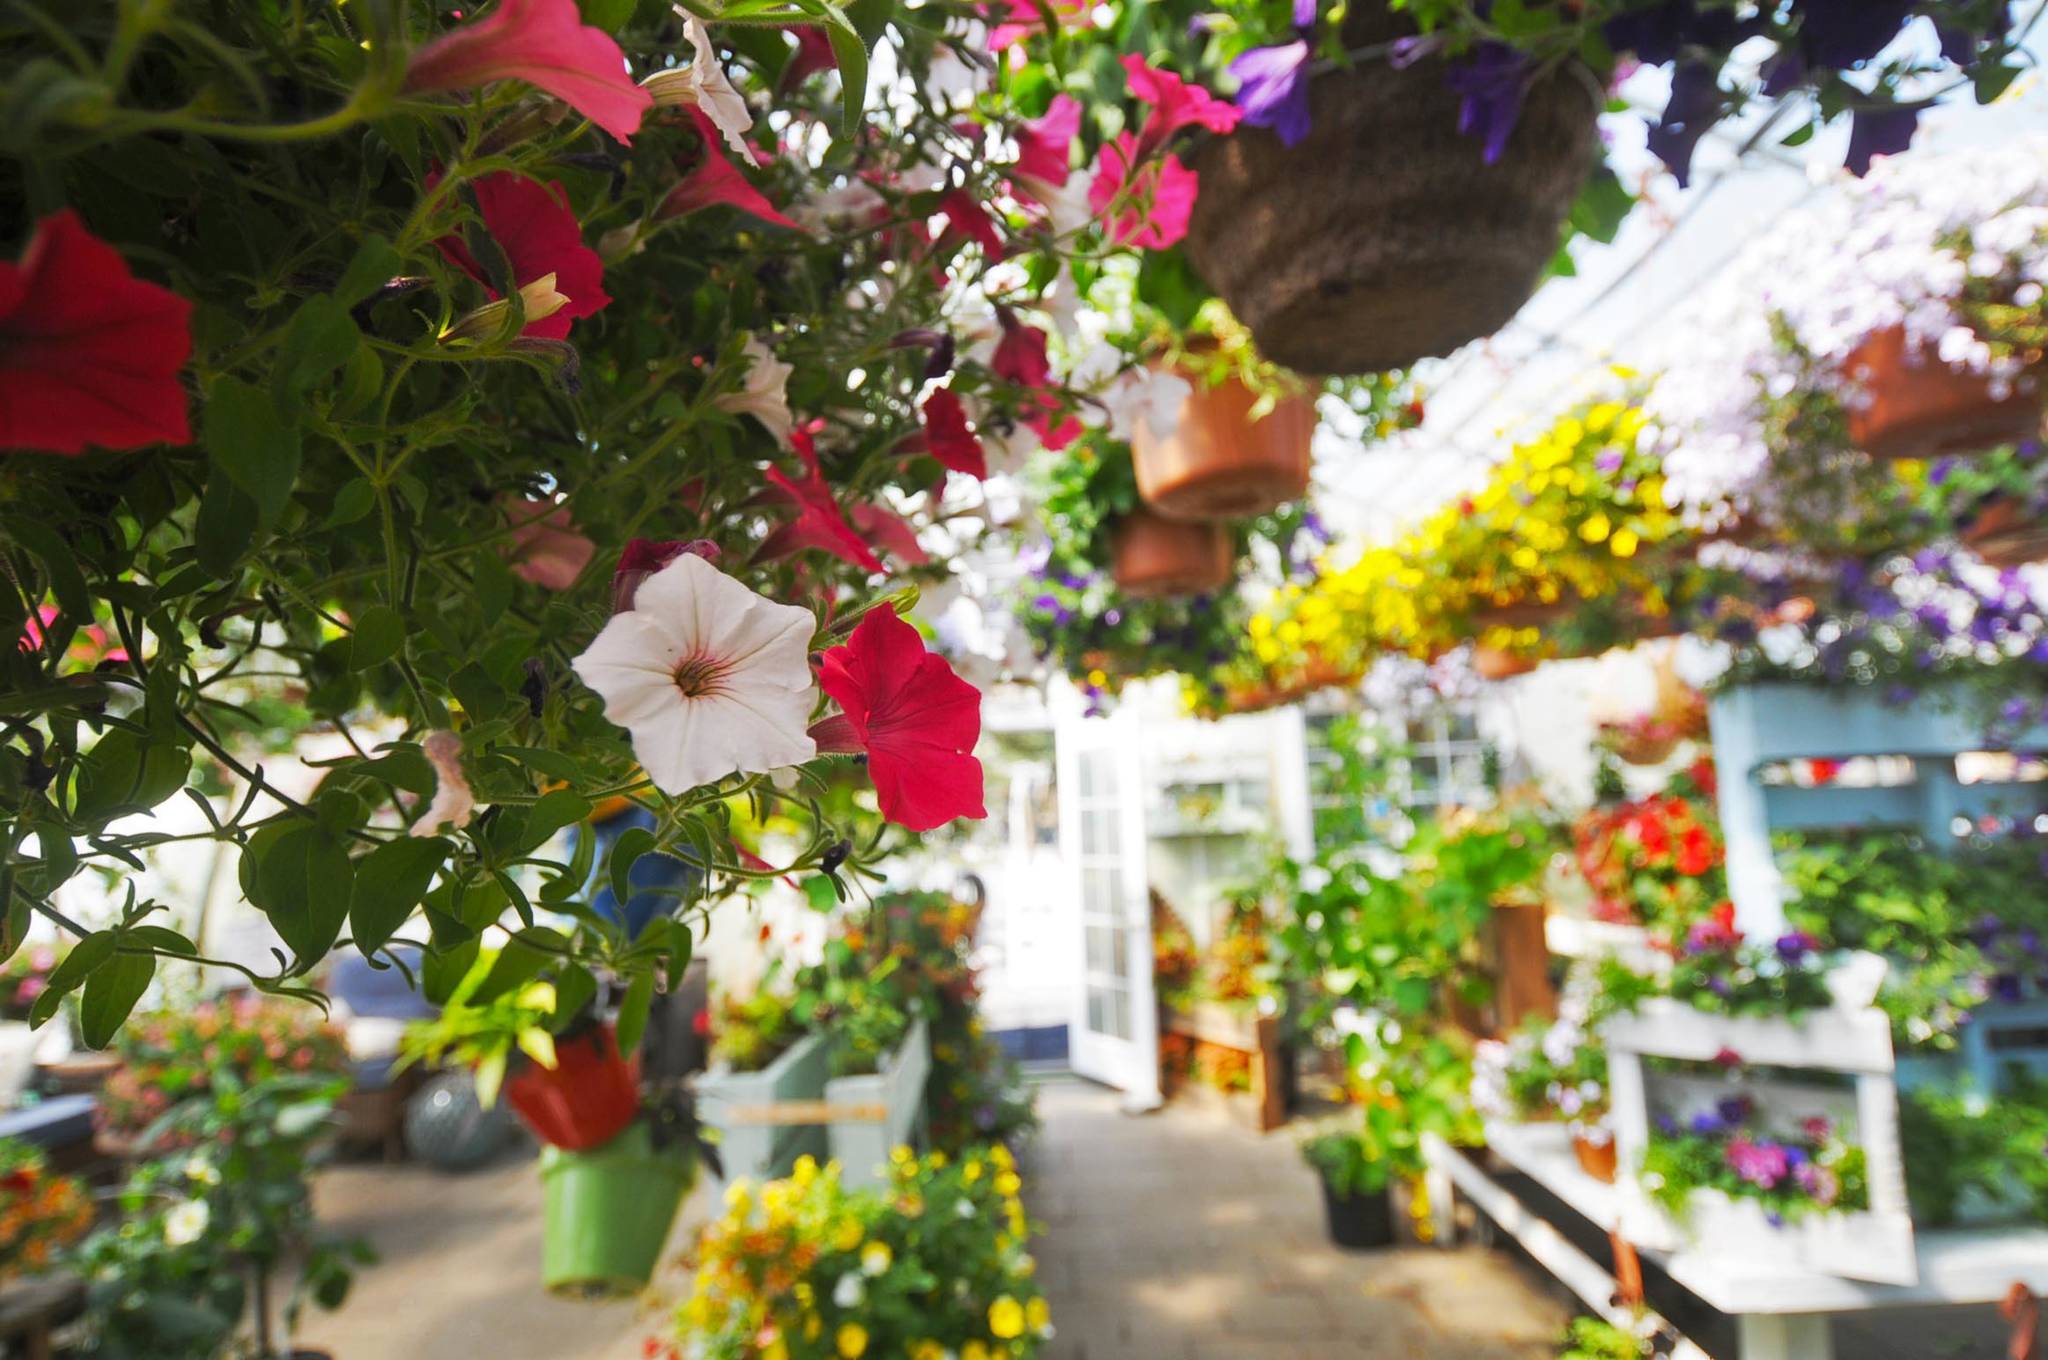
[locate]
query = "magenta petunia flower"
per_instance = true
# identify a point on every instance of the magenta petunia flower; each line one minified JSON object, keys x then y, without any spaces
{"x":546,"y":44}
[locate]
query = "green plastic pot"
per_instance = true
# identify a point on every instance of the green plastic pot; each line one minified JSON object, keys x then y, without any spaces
{"x":608,"y":1212}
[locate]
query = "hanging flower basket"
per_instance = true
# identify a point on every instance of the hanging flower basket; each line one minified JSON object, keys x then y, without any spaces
{"x":1526,"y":614}
{"x":1492,"y":663}
{"x":1384,"y":236}
{"x":585,"y":1099}
{"x":608,"y":1212}
{"x":2006,"y":534}
{"x":1155,"y":556}
{"x":1219,"y":463}
{"x":1916,"y":406}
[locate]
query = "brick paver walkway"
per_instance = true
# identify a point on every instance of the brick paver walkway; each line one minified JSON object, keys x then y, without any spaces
{"x":1182,"y":1236}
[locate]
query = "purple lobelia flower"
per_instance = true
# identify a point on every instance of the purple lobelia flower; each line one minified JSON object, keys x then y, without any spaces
{"x":1272,"y":89}
{"x":1492,"y":83}
{"x":1883,"y":131}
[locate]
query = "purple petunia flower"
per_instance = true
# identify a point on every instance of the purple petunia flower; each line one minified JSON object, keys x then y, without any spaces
{"x":1272,"y":89}
{"x":1882,"y":131}
{"x":1794,"y":946}
{"x":1492,"y":83}
{"x":1696,"y":104}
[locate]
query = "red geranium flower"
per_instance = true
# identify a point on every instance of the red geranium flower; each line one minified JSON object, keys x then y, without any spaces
{"x":89,"y":354}
{"x":546,"y":44}
{"x":715,"y":179}
{"x":946,"y":436}
{"x":917,"y":721}
{"x":1695,"y":851}
{"x":532,"y":224}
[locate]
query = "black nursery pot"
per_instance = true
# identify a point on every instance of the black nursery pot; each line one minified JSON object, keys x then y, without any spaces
{"x":1359,"y":1222}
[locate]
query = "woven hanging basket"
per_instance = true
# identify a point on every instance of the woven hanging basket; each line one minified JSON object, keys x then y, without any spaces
{"x":2006,"y":534}
{"x":1918,"y":407}
{"x":1384,"y":236}
{"x":1155,"y":557}
{"x":1219,"y":463}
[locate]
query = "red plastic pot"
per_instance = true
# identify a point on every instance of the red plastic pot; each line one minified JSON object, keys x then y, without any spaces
{"x":1919,"y":407}
{"x":589,"y":1095}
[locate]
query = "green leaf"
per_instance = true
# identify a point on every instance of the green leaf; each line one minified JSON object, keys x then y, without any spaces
{"x":851,"y":52}
{"x":519,"y":962}
{"x":389,"y":883}
{"x":111,"y":993}
{"x":85,"y":958}
{"x":375,"y":263}
{"x":575,"y":988}
{"x":553,"y":764}
{"x":681,"y":944}
{"x":494,"y":584}
{"x":632,"y":843}
{"x":257,"y":448}
{"x":821,"y":894}
{"x":632,"y":1022}
{"x":442,"y":971}
{"x":355,"y":499}
{"x":378,"y":635}
{"x":303,"y":884}
{"x":226,"y":526}
{"x":563,"y":807}
{"x":67,"y":582}
{"x":609,"y":15}
{"x":321,"y":337}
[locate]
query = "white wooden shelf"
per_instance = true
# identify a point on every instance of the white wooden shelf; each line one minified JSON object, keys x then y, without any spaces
{"x":1957,"y":1266}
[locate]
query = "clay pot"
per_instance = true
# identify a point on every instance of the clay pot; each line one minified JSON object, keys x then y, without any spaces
{"x":1919,"y":407}
{"x":1219,"y":463}
{"x":590,"y":1094}
{"x":1528,"y":614}
{"x":1491,"y":663}
{"x":2006,"y":534}
{"x":1384,"y":236}
{"x":1154,"y":557}
{"x":1598,"y":1160}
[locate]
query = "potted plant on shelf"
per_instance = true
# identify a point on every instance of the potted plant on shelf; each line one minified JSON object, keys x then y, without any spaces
{"x":41,"y":1212}
{"x":762,"y":1053}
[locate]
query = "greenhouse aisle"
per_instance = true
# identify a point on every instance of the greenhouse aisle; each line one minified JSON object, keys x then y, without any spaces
{"x":1182,"y":1236}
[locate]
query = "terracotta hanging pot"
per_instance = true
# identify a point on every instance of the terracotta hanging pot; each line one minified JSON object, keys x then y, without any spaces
{"x":1491,"y":663}
{"x":1384,"y":236}
{"x":1219,"y":463}
{"x":1601,"y":1161}
{"x":2005,"y":533}
{"x":1919,"y":407}
{"x":1154,"y":557}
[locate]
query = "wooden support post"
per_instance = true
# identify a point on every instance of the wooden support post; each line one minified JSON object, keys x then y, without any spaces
{"x":1628,"y":1270}
{"x":2022,"y":1311}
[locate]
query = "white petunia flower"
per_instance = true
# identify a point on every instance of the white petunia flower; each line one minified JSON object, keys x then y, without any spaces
{"x":704,"y":83}
{"x":766,"y":394}
{"x":452,"y":799}
{"x":709,"y":677}
{"x":186,"y":1223}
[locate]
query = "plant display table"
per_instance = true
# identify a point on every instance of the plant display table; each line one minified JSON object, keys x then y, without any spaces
{"x":1781,"y":1314}
{"x":1255,"y":1036}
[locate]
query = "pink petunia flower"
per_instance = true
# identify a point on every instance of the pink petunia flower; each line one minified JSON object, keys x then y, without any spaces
{"x":714,"y":180}
{"x":1045,"y":149}
{"x":532,"y":224}
{"x":1154,"y":199}
{"x":546,"y":44}
{"x":1175,"y":105}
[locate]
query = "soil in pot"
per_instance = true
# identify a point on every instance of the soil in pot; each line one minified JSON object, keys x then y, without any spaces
{"x":1384,"y":236}
{"x":1153,"y":556}
{"x":1219,"y":463}
{"x":1918,"y":407}
{"x":1359,"y":1222}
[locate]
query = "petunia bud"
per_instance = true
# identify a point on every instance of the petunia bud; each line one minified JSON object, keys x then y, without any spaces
{"x":539,"y":298}
{"x":645,"y":556}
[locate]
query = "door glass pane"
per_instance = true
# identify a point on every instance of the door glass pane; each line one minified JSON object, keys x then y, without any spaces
{"x":1098,"y":831}
{"x":1104,"y":948}
{"x":1098,"y":892}
{"x":1098,"y":774}
{"x":1100,"y":1010}
{"x":1120,"y":951}
{"x":1120,"y":1013}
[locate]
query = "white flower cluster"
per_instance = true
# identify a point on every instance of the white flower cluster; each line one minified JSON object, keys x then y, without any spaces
{"x":1879,"y":253}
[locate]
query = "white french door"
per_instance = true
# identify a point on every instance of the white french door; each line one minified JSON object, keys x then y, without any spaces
{"x":1113,"y":1035}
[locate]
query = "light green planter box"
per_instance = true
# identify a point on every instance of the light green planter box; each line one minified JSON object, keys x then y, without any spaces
{"x":752,"y":1145}
{"x":891,"y":1103}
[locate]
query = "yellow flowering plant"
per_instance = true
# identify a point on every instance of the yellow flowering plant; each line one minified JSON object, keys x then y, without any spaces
{"x":933,"y":1264}
{"x":1567,"y":528}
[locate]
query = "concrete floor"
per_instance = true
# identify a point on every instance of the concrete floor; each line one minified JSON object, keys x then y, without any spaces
{"x":1173,"y":1236}
{"x":1182,"y":1235}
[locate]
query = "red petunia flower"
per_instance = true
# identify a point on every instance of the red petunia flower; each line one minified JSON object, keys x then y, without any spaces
{"x":532,"y":224}
{"x":1158,"y":196}
{"x":1045,"y":148}
{"x":917,"y":721}
{"x":819,"y":522}
{"x":946,"y":436}
{"x":965,"y":216}
{"x":1175,"y":105}
{"x":1695,"y":851}
{"x":89,"y":354}
{"x":715,"y":179}
{"x":546,"y":44}
{"x":1020,"y":358}
{"x":890,"y":532}
{"x":813,"y":54}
